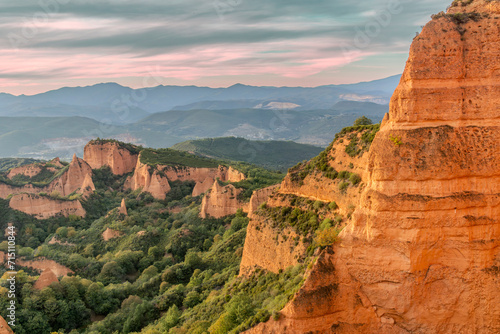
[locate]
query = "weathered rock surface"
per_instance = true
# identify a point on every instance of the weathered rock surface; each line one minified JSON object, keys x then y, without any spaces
{"x":26,"y":170}
{"x":46,"y":279}
{"x":204,"y":177}
{"x":260,"y":197}
{"x":123,"y":208}
{"x":221,"y":201}
{"x":119,"y":159}
{"x":202,"y":187}
{"x":41,"y":264}
{"x":76,"y":179}
{"x":44,"y":207}
{"x":4,"y":327}
{"x":422,"y":251}
{"x":149,"y":180}
{"x":79,"y":174}
{"x":111,"y":234}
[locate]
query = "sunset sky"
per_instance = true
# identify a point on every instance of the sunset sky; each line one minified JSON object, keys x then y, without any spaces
{"x":49,"y":44}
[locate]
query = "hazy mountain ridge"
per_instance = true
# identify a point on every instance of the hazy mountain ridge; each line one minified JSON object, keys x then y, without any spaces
{"x":45,"y":137}
{"x":116,"y":104}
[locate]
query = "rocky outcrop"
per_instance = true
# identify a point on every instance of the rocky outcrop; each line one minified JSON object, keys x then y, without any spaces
{"x":44,"y":207}
{"x":156,"y":179}
{"x":202,"y":187}
{"x":112,"y":154}
{"x":87,"y":187}
{"x":260,"y":197}
{"x":4,"y":327}
{"x":421,"y":253}
{"x":46,"y":279}
{"x":270,"y":248}
{"x":231,"y":175}
{"x":123,"y":208}
{"x":78,"y":175}
{"x":149,"y":180}
{"x":204,"y":177}
{"x":76,"y":179}
{"x":111,"y":234}
{"x":221,"y":201}
{"x":56,"y":162}
{"x":26,"y":170}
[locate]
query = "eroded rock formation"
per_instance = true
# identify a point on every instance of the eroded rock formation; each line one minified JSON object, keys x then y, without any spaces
{"x":76,"y":179}
{"x":111,"y":234}
{"x":421,"y":253}
{"x":46,"y":279}
{"x":44,"y":207}
{"x":112,"y":154}
{"x":221,"y":201}
{"x":123,"y":208}
{"x":149,"y":180}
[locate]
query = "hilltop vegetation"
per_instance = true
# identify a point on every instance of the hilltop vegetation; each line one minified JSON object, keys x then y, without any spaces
{"x":7,"y":164}
{"x":277,"y":155}
{"x":162,"y":262}
{"x":165,"y":269}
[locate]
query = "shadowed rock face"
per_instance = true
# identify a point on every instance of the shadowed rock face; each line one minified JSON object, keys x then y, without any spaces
{"x":422,"y":251}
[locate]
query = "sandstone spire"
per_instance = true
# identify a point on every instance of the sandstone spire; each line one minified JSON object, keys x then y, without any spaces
{"x":123,"y":208}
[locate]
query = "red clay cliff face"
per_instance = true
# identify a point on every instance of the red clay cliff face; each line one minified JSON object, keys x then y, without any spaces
{"x":148,"y":180}
{"x":43,"y":207}
{"x":120,"y":160}
{"x":221,"y":201}
{"x":156,"y":180}
{"x":422,"y":251}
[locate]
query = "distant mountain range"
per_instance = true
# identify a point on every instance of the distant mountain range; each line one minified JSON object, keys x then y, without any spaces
{"x":60,"y":122}
{"x":46,"y":137}
{"x":116,"y":104}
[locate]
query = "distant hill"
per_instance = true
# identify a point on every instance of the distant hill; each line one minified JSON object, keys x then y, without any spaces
{"x":315,"y":127}
{"x":277,"y":155}
{"x":8,"y":163}
{"x":115,"y":104}
{"x":47,"y":137}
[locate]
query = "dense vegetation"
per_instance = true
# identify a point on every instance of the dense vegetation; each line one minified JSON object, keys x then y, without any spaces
{"x":169,"y":157}
{"x":164,"y":272}
{"x":277,"y":155}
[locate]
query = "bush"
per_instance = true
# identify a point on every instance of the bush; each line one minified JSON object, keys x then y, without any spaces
{"x":363,"y":121}
{"x":355,"y":179}
{"x":343,"y":186}
{"x":333,"y":206}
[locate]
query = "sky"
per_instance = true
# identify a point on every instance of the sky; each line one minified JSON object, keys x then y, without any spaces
{"x":48,"y":44}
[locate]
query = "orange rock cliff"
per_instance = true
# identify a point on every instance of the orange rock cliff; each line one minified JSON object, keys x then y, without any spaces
{"x":119,"y":159}
{"x":421,"y":251}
